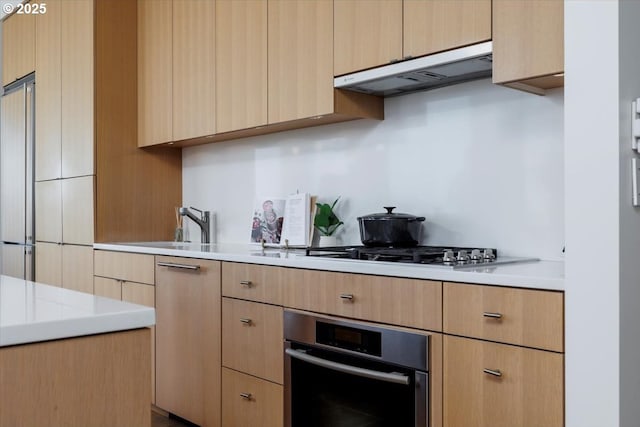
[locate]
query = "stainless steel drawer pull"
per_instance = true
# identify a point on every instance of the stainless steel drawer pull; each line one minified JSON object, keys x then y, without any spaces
{"x":492,"y":315}
{"x":246,"y":396}
{"x":181,"y":266}
{"x":347,"y":297}
{"x":246,"y":283}
{"x":246,"y":321}
{"x":494,"y":372}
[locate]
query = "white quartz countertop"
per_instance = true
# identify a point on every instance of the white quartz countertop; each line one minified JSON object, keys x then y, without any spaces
{"x":32,"y":312}
{"x":536,"y":275}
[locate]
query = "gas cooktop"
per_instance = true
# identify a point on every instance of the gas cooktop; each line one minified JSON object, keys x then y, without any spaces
{"x":451,"y":257}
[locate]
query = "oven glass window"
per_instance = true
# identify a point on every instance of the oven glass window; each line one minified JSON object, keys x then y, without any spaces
{"x":321,"y":397}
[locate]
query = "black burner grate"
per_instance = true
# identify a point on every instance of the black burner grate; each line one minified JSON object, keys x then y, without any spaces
{"x":416,"y":254}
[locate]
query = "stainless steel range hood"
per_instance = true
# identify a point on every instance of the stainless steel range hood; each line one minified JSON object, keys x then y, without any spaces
{"x":424,"y":73}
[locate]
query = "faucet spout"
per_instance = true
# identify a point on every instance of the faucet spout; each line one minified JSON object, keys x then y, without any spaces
{"x":203,"y":222}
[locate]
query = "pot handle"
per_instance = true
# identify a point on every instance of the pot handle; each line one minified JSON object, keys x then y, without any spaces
{"x":389,"y":209}
{"x":419,"y":219}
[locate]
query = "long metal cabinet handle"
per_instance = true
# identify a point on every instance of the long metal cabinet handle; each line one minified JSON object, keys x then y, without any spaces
{"x":246,"y":321}
{"x":348,"y":369}
{"x":347,"y":297}
{"x":494,"y":372}
{"x":492,"y":315}
{"x":246,"y":283}
{"x":181,"y":266}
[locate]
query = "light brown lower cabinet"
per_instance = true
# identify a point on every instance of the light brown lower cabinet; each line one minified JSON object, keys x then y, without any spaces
{"x":67,"y":266}
{"x":49,"y":263}
{"x":252,"y":338}
{"x":128,"y":277}
{"x":139,"y":293}
{"x":498,"y":385}
{"x":188,"y":339}
{"x":248,"y":401}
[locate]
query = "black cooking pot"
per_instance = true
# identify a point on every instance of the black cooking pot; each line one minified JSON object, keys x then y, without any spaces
{"x":390,"y":229}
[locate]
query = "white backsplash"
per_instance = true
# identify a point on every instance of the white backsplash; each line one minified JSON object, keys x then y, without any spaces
{"x":483,"y":164}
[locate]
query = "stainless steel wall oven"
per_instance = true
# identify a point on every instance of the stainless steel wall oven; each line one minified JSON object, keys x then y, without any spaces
{"x":347,"y":374}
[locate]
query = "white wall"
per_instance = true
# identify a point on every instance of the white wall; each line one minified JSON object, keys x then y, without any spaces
{"x":603,"y":296}
{"x":629,"y":14}
{"x":483,"y":163}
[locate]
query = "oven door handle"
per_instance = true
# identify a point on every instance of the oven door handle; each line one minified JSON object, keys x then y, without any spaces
{"x":348,"y":369}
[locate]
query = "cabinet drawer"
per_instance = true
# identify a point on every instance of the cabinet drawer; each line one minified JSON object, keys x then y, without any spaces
{"x":106,"y":287}
{"x":249,"y":401}
{"x":252,"y":338}
{"x":403,"y":302}
{"x":125,"y":266}
{"x":528,"y":392}
{"x":515,"y":316}
{"x":253,"y":282}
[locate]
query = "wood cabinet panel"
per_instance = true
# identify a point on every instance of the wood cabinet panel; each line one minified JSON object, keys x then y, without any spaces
{"x":529,"y":392}
{"x":49,"y":87}
{"x":105,"y":287}
{"x":528,"y":39}
{"x":48,"y":210}
{"x":300,"y":59}
{"x":97,"y":380}
{"x":367,"y":33}
{"x":530,"y":318}
{"x":77,"y":268}
{"x":241,"y":64}
{"x":18,"y":55}
{"x":77,"y":106}
{"x":188,"y":339}
{"x":49,"y":263}
{"x":193,"y":69}
{"x":77,"y":210}
{"x":253,"y":282}
{"x":155,"y":72}
{"x":252,"y":338}
{"x":125,"y":266}
{"x":405,"y":302}
{"x":248,"y":401}
{"x":432,"y":26}
{"x":138,"y":293}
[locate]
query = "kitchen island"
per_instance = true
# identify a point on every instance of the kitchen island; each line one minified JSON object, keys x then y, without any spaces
{"x":72,"y":359}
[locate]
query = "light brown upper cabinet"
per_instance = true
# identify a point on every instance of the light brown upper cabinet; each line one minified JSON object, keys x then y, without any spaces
{"x":211,"y":71}
{"x":528,"y":43}
{"x":193,"y":68}
{"x":370,"y":33}
{"x":155,"y":72}
{"x":300,"y":59}
{"x":241,"y":64}
{"x":48,"y":146}
{"x":18,"y":55}
{"x":432,"y":26}
{"x":77,"y":75}
{"x":176,"y":68}
{"x":300,"y":64}
{"x":64,"y":101}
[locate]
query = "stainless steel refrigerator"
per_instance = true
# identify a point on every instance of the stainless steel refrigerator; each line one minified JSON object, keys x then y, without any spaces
{"x":17,"y":251}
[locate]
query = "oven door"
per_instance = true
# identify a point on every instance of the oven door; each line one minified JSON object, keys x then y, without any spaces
{"x":329,"y":389}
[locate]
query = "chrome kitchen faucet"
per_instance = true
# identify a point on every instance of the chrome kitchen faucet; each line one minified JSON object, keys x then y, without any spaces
{"x":203,"y":222}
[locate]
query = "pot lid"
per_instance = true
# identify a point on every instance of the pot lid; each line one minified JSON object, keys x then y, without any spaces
{"x":391,"y":215}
